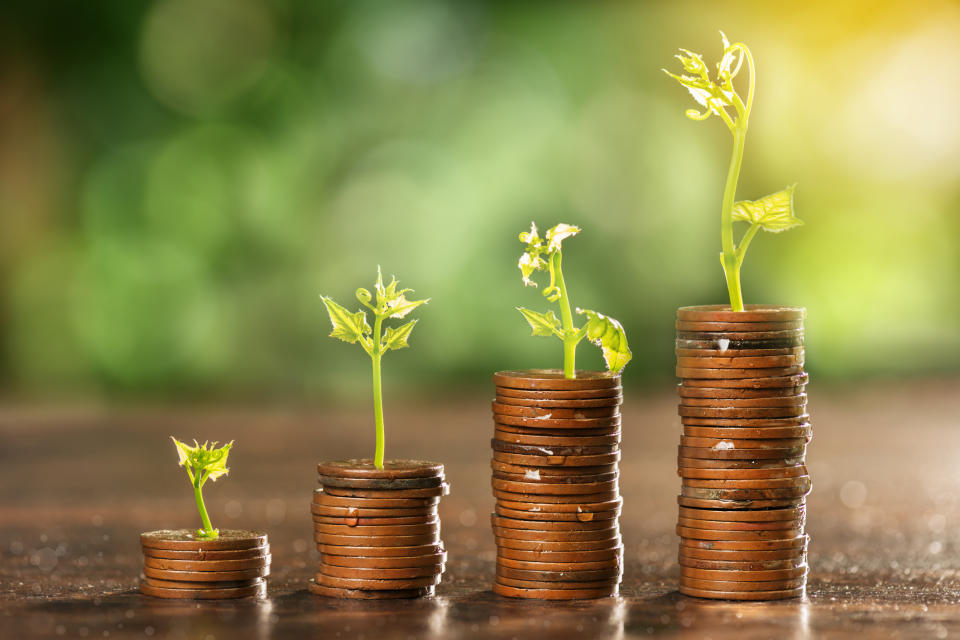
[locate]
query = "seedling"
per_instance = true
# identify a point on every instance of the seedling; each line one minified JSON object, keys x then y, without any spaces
{"x":604,"y":331}
{"x":771,"y":213}
{"x":353,"y":327}
{"x":203,"y":462}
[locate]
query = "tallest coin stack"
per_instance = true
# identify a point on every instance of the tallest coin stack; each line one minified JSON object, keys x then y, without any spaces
{"x":743,"y":406}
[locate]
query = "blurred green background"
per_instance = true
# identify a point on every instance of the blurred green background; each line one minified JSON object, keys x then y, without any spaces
{"x":180,"y":179}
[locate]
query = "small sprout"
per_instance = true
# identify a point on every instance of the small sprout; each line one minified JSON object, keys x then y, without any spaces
{"x":605,"y":332}
{"x":772,"y":213}
{"x":203,"y":462}
{"x":353,"y":327}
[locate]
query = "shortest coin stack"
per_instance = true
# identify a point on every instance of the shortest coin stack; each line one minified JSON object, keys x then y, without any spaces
{"x":377,"y":530}
{"x":176,"y":564}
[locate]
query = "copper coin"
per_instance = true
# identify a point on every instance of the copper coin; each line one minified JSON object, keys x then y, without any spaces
{"x":562,"y":441}
{"x":384,"y":563}
{"x":740,"y":412}
{"x":546,"y":584}
{"x":725,"y":342}
{"x":746,"y":545}
{"x":553,"y":379}
{"x":259,"y":590}
{"x":724,"y":555}
{"x":754,"y":362}
{"x":786,"y":594}
{"x":761,"y":565}
{"x":367,"y":584}
{"x":322,"y":498}
{"x":238,"y":554}
{"x":557,"y":461}
{"x":744,"y":587}
{"x":540,"y":498}
{"x":608,"y":403}
{"x":576,"y":394}
{"x":553,"y":450}
{"x":554,"y":479}
{"x":176,"y":584}
{"x":392,"y":469}
{"x":538,"y":472}
{"x":717,"y":352}
{"x":186,"y":540}
{"x":360,"y":513}
{"x":559,"y":423}
{"x":729,"y":536}
{"x":766,"y":515}
{"x":726,"y":444}
{"x":574,"y":509}
{"x":540,"y":545}
{"x":761,"y":423}
{"x":741,"y":454}
{"x":378,"y":530}
{"x":206,"y":576}
{"x":700,"y":503}
{"x":702,"y":463}
{"x":428,"y":549}
{"x":748,"y":433}
{"x":728,"y":525}
{"x":559,"y":557}
{"x":583,"y":516}
{"x":548,"y":525}
{"x":388,"y":493}
{"x":714,"y":326}
{"x":731,"y":374}
{"x":743,"y":494}
{"x":328,"y":539}
{"x":748,"y":383}
{"x":381,"y":483}
{"x":399,"y":573}
{"x":800,"y":482}
{"x":742,"y":474}
{"x":799,"y":400}
{"x":731,"y":393}
{"x":206,"y":565}
{"x":555,"y":412}
{"x":612,"y":565}
{"x":556,"y":536}
{"x":357,"y":594}
{"x":375,"y":522}
{"x":734,"y":336}
{"x":555,"y":488}
{"x":555,"y":594}
{"x":750,"y":313}
{"x":744,"y":576}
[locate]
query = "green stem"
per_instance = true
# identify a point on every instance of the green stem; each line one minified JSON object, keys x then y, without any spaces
{"x":377,"y":392}
{"x":566,"y":318}
{"x":208,"y":530}
{"x":731,"y":261}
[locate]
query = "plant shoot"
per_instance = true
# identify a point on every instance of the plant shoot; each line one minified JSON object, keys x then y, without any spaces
{"x":203,"y":462}
{"x":771,"y":213}
{"x":353,"y":327}
{"x":604,"y":331}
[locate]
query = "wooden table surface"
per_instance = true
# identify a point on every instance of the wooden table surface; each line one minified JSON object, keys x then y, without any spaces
{"x":79,"y":484}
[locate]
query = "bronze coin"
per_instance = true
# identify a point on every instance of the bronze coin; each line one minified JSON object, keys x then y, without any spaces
{"x":742,"y":474}
{"x":777,"y":335}
{"x":729,"y":536}
{"x":574,"y":509}
{"x":800,"y":482}
{"x":740,"y":444}
{"x":746,"y":545}
{"x":559,"y":557}
{"x":608,"y":403}
{"x":786,"y":594}
{"x":735,"y":413}
{"x":714,"y":326}
{"x":743,"y":494}
{"x":731,"y":393}
{"x":206,"y":565}
{"x":741,"y":454}
{"x":534,"y":472}
{"x":381,"y":483}
{"x":238,"y":554}
{"x":701,"y":463}
{"x":760,"y":423}
{"x":427,"y":549}
{"x":357,"y":594}
{"x":555,"y":594}
{"x":746,"y":586}
{"x":206,"y":576}
{"x":360,"y":513}
{"x":749,"y":383}
{"x":728,"y":525}
{"x":717,"y":352}
{"x":573,"y":499}
{"x":748,"y":433}
{"x":553,"y":379}
{"x":540,"y":545}
{"x":561,"y":441}
{"x":388,"y":493}
{"x":376,"y":562}
{"x":548,"y":525}
{"x":176,"y":584}
{"x":368,"y":584}
{"x":559,"y":423}
{"x":378,"y":530}
{"x":322,"y":498}
{"x":583,"y":516}
{"x":723,"y":343}
{"x":556,"y":536}
{"x":553,"y":450}
{"x":744,"y":576}
{"x":554,"y":489}
{"x":700,"y":503}
{"x":612,"y":565}
{"x":755,"y":362}
{"x":330,"y":539}
{"x":392,"y":469}
{"x":766,"y":515}
{"x":576,"y":394}
{"x":757,"y":565}
{"x":375,"y":522}
{"x":557,"y":461}
{"x":554,"y":479}
{"x":733,"y":374}
{"x":258,"y":590}
{"x":722,"y":555}
{"x":555,"y":412}
{"x":557,"y":433}
{"x":399,"y":573}
{"x":750,"y":313}
{"x":186,"y":540}
{"x":799,"y":400}
{"x":545,"y":584}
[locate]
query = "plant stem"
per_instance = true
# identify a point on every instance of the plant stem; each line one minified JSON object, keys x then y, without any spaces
{"x":730,"y":259}
{"x":377,"y":392}
{"x":208,"y":531}
{"x":566,"y":318}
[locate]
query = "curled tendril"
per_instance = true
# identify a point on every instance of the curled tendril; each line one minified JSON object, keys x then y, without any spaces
{"x":364,"y":297}
{"x":552,"y":292}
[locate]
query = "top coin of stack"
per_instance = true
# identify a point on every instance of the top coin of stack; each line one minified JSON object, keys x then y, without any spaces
{"x":179,"y":565}
{"x":556,"y":449}
{"x":742,"y":452}
{"x":377,"y":530}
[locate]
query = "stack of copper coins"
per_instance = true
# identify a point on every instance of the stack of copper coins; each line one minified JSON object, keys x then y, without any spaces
{"x":743,"y":405}
{"x":176,"y":564}
{"x":556,"y":449}
{"x":377,"y":530}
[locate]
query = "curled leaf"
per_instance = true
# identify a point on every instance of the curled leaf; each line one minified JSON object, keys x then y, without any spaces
{"x":773,"y":213}
{"x":204,"y":458}
{"x":608,"y":334}
{"x":558,"y":234}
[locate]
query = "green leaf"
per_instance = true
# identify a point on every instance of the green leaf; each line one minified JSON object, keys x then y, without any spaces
{"x":400,"y":306}
{"x":203,"y":458}
{"x":397,"y":338}
{"x":183,"y":450}
{"x":608,"y":334}
{"x":347,"y":326}
{"x":558,"y":234}
{"x":773,"y":212}
{"x":543,"y":324}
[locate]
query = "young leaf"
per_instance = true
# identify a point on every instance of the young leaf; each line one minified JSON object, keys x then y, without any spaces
{"x":773,"y":212}
{"x":543,"y":324}
{"x":397,"y":338}
{"x":399,"y":306}
{"x":558,"y":234}
{"x":347,"y":326}
{"x":204,"y":457}
{"x":608,"y":334}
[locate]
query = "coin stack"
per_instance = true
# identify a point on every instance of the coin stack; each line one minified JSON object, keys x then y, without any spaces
{"x":743,"y":406}
{"x":178,"y":565}
{"x":556,"y":449}
{"x":377,"y":530}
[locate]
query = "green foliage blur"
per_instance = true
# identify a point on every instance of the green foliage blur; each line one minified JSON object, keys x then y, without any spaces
{"x":180,"y":179}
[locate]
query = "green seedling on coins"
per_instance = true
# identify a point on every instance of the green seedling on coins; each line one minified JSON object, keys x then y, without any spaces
{"x":353,"y":327}
{"x":604,"y":331}
{"x":203,"y":462}
{"x":771,"y":213}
